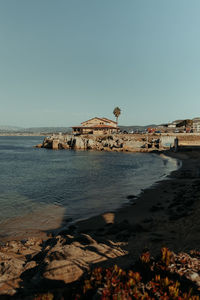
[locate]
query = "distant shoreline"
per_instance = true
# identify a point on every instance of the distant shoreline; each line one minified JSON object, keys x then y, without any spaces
{"x":24,"y":134}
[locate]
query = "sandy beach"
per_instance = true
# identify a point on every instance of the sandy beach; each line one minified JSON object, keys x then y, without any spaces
{"x":166,"y":214}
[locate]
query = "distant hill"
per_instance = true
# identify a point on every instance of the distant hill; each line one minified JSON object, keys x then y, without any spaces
{"x":45,"y":130}
{"x":49,"y":130}
{"x":9,"y":128}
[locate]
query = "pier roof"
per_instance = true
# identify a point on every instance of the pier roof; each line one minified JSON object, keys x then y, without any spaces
{"x":96,"y":126}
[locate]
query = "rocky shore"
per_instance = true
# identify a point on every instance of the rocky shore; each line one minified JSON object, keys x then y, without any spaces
{"x":120,"y":142}
{"x":114,"y":142}
{"x":165,"y":215}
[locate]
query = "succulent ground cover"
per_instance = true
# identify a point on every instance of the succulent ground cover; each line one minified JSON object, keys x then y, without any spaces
{"x":168,"y":277}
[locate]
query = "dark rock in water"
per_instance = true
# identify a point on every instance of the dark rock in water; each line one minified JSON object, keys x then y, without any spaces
{"x":39,"y":146}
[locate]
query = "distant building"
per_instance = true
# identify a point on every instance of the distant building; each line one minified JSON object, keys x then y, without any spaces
{"x":175,"y":124}
{"x":151,"y":130}
{"x":171,"y":125}
{"x":96,"y":126}
{"x":181,"y":125}
{"x":196,"y":125}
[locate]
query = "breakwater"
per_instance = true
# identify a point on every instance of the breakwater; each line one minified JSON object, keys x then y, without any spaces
{"x":114,"y":142}
{"x":121,"y":142}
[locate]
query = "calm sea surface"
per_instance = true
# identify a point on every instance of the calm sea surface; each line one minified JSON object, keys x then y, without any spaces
{"x":80,"y":183}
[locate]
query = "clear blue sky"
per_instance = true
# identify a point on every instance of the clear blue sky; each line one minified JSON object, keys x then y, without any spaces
{"x":64,"y":61}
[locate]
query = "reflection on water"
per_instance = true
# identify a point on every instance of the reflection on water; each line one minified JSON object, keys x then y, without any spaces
{"x":84,"y":183}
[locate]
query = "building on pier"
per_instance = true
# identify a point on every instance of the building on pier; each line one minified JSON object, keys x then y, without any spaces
{"x":96,"y":126}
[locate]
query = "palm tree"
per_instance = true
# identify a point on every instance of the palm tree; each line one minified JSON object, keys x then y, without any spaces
{"x":117,"y":112}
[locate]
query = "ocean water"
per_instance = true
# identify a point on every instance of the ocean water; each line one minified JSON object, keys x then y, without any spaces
{"x":74,"y":184}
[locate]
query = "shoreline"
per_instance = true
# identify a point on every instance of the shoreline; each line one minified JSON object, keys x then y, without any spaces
{"x":166,"y":214}
{"x":144,"y":220}
{"x":23,"y":134}
{"x":60,"y":222}
{"x":134,"y":198}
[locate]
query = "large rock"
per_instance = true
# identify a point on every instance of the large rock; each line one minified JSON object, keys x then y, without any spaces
{"x":11,"y":268}
{"x":132,"y":145}
{"x":39,"y":145}
{"x":64,"y":270}
{"x":92,"y":144}
{"x":55,"y":144}
{"x":64,"y":146}
{"x":63,"y":258}
{"x":95,"y":142}
{"x":79,"y":143}
{"x":69,"y":258}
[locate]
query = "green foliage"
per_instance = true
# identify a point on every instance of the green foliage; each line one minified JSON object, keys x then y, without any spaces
{"x":117,"y":112}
